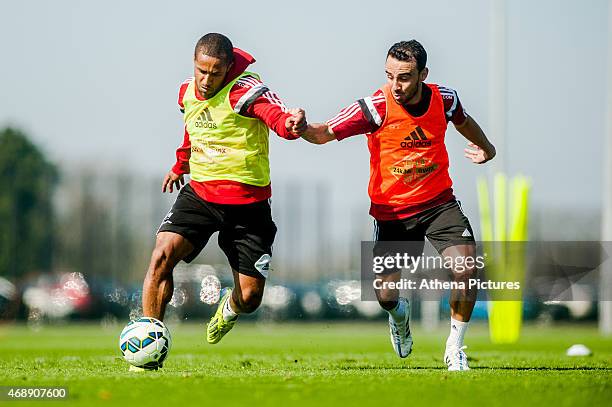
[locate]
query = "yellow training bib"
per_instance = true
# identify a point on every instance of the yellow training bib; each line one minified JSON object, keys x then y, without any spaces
{"x":224,"y":144}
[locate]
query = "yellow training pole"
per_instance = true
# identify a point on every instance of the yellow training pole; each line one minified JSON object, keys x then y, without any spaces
{"x":515,"y":260}
{"x":496,"y":269}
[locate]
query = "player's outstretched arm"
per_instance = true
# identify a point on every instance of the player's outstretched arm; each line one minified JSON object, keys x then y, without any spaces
{"x":480,"y":148}
{"x":318,"y":133}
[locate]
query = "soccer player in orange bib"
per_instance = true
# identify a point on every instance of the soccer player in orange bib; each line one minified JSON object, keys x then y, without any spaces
{"x":410,"y":189}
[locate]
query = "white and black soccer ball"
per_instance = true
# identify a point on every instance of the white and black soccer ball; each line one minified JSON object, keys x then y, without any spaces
{"x":145,"y":343}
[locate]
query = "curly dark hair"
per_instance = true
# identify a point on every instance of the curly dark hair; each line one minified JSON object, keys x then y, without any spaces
{"x":409,"y":51}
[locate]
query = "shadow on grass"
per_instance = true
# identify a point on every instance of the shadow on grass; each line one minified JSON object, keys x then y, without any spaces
{"x":550,"y":368}
{"x":518,"y":368}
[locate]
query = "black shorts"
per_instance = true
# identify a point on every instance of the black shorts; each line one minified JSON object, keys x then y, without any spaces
{"x":444,"y":226}
{"x":246,"y":232}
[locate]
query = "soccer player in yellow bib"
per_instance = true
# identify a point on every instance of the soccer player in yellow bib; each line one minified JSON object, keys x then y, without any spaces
{"x":228,"y":112}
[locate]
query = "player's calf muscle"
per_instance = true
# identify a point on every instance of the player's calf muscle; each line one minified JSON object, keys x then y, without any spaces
{"x":170,"y":248}
{"x":155,"y":296}
{"x":248,"y":292}
{"x":249,"y":300}
{"x":387,"y":297}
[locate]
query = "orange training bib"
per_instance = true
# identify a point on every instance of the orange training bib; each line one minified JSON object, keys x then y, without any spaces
{"x":408,"y":158}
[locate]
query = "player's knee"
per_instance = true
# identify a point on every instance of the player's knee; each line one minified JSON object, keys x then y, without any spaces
{"x":162,"y":261}
{"x":250,"y":299}
{"x":465,"y":273}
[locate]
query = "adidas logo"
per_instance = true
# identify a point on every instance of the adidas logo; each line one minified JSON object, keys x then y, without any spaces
{"x":263,"y":265}
{"x":466,"y":233}
{"x":417,"y":138}
{"x":205,"y":120}
{"x":167,"y":218}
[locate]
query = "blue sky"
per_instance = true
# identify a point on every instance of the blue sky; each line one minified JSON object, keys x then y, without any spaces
{"x":96,"y":82}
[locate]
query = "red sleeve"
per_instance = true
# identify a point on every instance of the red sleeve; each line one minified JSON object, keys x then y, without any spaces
{"x":352,"y":120}
{"x":181,"y":95}
{"x":452,"y":106}
{"x":271,"y":110}
{"x":253,"y":99}
{"x":183,"y":153}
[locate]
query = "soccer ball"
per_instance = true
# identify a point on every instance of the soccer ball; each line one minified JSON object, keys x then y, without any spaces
{"x":145,"y":343}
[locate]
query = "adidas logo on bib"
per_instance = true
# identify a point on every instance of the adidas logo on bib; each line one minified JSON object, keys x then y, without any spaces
{"x":466,"y":233}
{"x":205,"y":120}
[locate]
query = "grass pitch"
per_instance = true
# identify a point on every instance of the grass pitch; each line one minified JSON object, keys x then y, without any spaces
{"x":340,"y":364}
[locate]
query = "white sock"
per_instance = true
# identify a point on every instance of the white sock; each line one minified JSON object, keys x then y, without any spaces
{"x":398,"y":312}
{"x":457,"y":332}
{"x":228,"y":312}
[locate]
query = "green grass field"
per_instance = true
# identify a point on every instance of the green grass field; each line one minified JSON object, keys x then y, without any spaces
{"x":310,"y":364}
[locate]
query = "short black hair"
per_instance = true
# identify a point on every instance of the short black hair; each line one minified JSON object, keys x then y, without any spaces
{"x":215,"y":45}
{"x":409,"y":51}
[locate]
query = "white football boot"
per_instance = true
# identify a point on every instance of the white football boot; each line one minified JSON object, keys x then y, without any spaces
{"x":401,"y":337}
{"x":456,"y":359}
